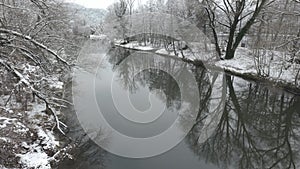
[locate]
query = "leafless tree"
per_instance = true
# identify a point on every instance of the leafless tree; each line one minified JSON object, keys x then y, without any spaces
{"x":130,"y":5}
{"x":240,"y":13}
{"x":33,"y":50}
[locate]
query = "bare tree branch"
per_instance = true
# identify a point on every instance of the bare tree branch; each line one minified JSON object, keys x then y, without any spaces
{"x":6,"y":31}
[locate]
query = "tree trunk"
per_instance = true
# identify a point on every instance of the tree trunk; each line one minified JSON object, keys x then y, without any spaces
{"x":230,"y":53}
{"x":230,"y":50}
{"x":233,"y":42}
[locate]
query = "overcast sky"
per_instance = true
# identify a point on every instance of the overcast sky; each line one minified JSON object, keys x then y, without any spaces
{"x":93,"y":3}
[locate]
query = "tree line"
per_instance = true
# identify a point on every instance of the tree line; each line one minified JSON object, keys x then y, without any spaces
{"x":229,"y":24}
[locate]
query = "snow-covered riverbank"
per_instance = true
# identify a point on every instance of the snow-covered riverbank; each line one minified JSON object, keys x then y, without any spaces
{"x":28,"y":132}
{"x":273,"y":68}
{"x":26,"y":137}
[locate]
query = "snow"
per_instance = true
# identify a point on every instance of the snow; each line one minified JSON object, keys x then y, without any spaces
{"x":47,"y":138}
{"x":241,"y":63}
{"x":29,"y":69}
{"x":18,"y":126}
{"x":21,"y":128}
{"x":98,"y":37}
{"x":35,"y":159}
{"x":5,"y":139}
{"x":3,"y":99}
{"x":36,"y":109}
{"x":135,"y":45}
{"x":118,"y":41}
{"x":6,"y":121}
{"x":145,"y":48}
{"x":275,"y":66}
{"x":197,"y":50}
{"x":23,"y":79}
{"x":34,"y":152}
{"x":54,"y":83}
{"x":162,"y":51}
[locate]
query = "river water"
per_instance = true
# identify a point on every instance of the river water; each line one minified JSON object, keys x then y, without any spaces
{"x":237,"y":123}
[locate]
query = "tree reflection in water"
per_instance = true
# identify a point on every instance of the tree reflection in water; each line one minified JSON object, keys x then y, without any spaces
{"x":255,"y":128}
{"x":130,"y":74}
{"x":159,"y":78}
{"x":239,"y":124}
{"x":259,"y":128}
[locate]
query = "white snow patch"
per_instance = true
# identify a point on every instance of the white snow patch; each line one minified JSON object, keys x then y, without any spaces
{"x":195,"y":52}
{"x":135,"y":45}
{"x":145,"y":48}
{"x":275,"y":68}
{"x":21,"y":128}
{"x":29,"y":69}
{"x":54,"y":83}
{"x":57,"y":85}
{"x":5,"y":139}
{"x":47,"y":138}
{"x":35,"y":159}
{"x":162,"y":51}
{"x":118,"y":41}
{"x":37,"y":112}
{"x":98,"y":37}
{"x":38,"y":107}
{"x":6,"y":121}
{"x":241,"y":63}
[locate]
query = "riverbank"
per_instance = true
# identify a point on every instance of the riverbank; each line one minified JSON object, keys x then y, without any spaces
{"x":27,"y":138}
{"x":28,"y":131}
{"x":274,"y":71}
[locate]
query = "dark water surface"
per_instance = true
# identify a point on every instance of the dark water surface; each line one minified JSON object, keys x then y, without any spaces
{"x":256,"y":127}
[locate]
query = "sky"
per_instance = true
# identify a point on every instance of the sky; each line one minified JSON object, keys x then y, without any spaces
{"x":93,"y":3}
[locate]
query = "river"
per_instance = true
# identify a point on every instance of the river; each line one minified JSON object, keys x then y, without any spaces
{"x":236,"y":123}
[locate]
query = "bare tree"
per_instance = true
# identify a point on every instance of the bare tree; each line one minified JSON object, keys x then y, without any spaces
{"x":130,"y":5}
{"x":33,"y":34}
{"x":236,"y":13}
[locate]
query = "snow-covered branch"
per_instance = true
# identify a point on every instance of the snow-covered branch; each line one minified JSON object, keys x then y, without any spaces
{"x":26,"y":82}
{"x":40,"y":45}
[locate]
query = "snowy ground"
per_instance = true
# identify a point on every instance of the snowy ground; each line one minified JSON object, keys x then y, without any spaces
{"x":271,"y":65}
{"x":135,"y":45}
{"x":26,"y":137}
{"x":98,"y":37}
{"x":26,"y":131}
{"x":274,"y":66}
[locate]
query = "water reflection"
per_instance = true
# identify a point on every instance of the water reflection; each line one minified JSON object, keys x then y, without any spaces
{"x":86,"y":155}
{"x":239,"y":124}
{"x":170,"y":80}
{"x":259,"y":128}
